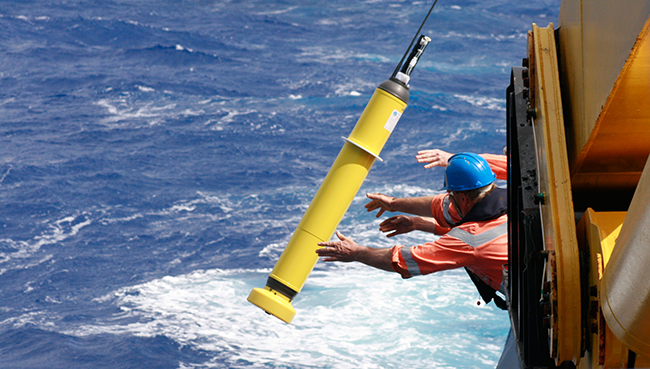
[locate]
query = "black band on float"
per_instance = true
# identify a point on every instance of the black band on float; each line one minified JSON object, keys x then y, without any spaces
{"x":276,"y":285}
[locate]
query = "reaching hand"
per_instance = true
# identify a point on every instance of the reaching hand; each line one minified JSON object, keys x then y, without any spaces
{"x":398,"y":224}
{"x":344,"y":250}
{"x":381,"y":202}
{"x":434,"y":158}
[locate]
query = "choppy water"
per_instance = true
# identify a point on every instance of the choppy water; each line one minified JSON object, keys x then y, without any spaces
{"x":156,"y":156}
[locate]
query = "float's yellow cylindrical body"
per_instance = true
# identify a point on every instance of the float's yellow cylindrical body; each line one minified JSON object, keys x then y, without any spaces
{"x":331,"y":201}
{"x":323,"y":215}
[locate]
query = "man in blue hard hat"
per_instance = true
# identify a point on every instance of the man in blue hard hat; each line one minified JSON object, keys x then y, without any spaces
{"x":470,"y":218}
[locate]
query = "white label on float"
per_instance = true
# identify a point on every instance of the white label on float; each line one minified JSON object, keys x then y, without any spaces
{"x":392,"y":121}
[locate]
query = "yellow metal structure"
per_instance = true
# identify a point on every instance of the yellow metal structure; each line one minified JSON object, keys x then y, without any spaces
{"x":597,"y":233}
{"x":563,"y":266}
{"x":605,"y":63}
{"x":605,"y":75}
{"x":598,"y":90}
{"x":330,"y":202}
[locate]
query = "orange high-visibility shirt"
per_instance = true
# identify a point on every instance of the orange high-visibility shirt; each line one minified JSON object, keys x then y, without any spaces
{"x":481,"y":246}
{"x":498,"y":164}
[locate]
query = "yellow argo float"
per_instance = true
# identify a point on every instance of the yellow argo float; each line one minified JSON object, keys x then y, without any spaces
{"x":332,"y":200}
{"x":336,"y":193}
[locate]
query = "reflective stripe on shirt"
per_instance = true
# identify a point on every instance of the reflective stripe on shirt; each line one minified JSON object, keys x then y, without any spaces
{"x":476,"y":240}
{"x":473,"y":240}
{"x":411,"y":265}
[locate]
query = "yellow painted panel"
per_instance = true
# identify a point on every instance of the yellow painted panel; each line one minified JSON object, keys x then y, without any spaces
{"x":557,"y":209}
{"x":572,"y":76}
{"x":609,"y":225}
{"x":604,"y":87}
{"x":597,"y":232}
{"x":620,"y":141}
{"x":609,"y":33}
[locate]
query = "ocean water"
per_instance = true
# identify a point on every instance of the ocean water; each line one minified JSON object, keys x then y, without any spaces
{"x":156,"y":156}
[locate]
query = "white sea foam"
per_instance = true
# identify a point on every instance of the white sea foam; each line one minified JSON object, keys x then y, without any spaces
{"x":481,"y":36}
{"x":181,"y":48}
{"x":326,"y":55}
{"x":485,"y":102}
{"x":350,"y":88}
{"x":275,"y":12}
{"x":121,"y":111}
{"x":461,"y":133}
{"x":55,"y":232}
{"x":231,"y":114}
{"x":6,"y":173}
{"x":145,"y":89}
{"x":348,"y":316}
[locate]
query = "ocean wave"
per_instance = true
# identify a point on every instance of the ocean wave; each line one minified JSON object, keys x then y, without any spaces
{"x":175,"y":55}
{"x":122,"y":112}
{"x":329,"y":55}
{"x":482,"y":36}
{"x":159,"y":155}
{"x":55,"y":232}
{"x":207,"y":310}
{"x":484,"y":102}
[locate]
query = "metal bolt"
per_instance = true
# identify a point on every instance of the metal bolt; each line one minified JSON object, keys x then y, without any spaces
{"x":531,"y":113}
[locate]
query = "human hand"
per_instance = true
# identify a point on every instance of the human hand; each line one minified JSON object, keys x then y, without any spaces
{"x":398,"y":224}
{"x":381,"y":202}
{"x":344,"y":250}
{"x":434,"y":158}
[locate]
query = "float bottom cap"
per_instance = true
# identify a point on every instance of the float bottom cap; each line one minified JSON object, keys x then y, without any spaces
{"x":273,"y":303}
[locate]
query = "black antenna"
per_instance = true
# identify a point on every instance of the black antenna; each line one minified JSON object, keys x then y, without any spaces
{"x":413,"y":41}
{"x":416,"y":52}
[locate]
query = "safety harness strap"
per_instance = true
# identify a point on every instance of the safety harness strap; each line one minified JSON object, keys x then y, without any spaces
{"x":445,"y":211}
{"x":487,"y":293}
{"x":492,"y":206}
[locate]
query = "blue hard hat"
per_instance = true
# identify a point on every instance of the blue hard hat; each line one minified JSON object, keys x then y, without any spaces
{"x":467,"y":171}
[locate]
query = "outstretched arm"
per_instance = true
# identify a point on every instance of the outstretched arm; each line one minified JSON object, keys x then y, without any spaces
{"x":347,"y":250}
{"x":433,"y":158}
{"x":439,"y":158}
{"x":400,"y":224}
{"x":499,"y":165}
{"x":411,"y":205}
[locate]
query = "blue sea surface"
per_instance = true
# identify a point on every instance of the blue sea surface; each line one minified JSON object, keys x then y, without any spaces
{"x":156,"y":156}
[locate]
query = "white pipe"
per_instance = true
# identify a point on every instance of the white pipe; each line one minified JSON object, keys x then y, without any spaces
{"x":625,"y":286}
